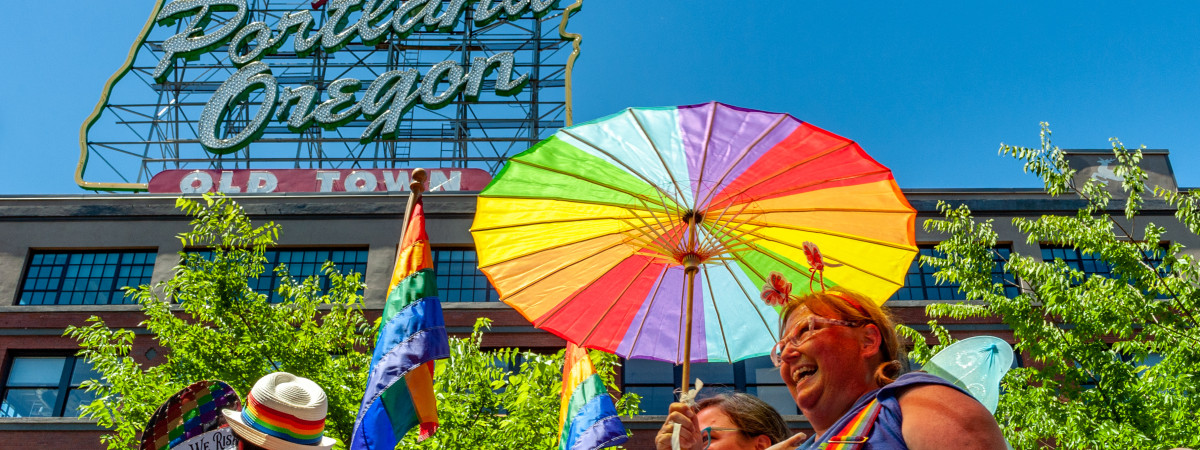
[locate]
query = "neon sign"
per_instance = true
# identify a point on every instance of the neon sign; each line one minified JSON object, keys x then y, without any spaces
{"x":385,"y":99}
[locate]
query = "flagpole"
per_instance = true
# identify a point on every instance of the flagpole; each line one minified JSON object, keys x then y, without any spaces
{"x":416,"y":188}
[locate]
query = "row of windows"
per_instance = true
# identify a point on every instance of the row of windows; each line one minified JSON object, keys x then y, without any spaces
{"x":99,"y":278}
{"x":920,"y":284}
{"x":84,"y":278}
{"x":658,"y":382}
{"x":48,"y":386}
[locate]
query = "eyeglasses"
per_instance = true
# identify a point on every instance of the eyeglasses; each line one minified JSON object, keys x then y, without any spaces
{"x":805,"y":330}
{"x":706,"y":434}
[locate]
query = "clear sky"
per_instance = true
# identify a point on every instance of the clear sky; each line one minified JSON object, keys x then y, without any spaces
{"x":929,"y":89}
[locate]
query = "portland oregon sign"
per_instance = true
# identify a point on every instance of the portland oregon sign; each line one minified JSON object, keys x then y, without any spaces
{"x":315,"y":93}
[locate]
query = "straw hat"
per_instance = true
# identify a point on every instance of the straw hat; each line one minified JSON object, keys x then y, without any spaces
{"x":283,"y":412}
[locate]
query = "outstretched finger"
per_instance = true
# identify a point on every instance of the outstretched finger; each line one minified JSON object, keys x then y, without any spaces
{"x":790,"y":443}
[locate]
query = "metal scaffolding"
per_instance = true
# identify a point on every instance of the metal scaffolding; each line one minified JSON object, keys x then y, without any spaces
{"x":146,"y":127}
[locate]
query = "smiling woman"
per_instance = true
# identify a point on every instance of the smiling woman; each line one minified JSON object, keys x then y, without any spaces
{"x":837,"y":356}
{"x":731,"y":421}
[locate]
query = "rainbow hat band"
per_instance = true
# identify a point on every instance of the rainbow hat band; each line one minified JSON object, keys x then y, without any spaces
{"x":280,"y":424}
{"x":283,"y":412}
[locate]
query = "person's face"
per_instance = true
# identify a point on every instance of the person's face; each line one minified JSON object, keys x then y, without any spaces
{"x":722,"y":437}
{"x":825,"y":370}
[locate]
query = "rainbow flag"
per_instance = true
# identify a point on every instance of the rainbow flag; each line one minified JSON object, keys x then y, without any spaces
{"x":412,"y":335}
{"x":587,"y":416}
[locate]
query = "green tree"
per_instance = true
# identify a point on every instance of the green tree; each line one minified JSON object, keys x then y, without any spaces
{"x":503,"y":398}
{"x":210,"y":324}
{"x":1096,"y":379}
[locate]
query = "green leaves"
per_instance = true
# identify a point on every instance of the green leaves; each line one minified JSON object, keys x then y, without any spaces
{"x":209,"y":324}
{"x":1111,"y":361}
{"x":503,"y":398}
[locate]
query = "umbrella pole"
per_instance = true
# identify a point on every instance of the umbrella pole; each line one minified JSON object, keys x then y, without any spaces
{"x":690,"y":268}
{"x":691,"y":265}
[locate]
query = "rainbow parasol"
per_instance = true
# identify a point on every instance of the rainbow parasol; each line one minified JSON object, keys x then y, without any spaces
{"x":647,"y":233}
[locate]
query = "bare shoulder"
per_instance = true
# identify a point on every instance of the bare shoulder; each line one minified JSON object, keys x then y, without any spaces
{"x":937,"y":416}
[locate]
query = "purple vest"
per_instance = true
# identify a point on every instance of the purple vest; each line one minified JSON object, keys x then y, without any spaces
{"x":886,"y":432}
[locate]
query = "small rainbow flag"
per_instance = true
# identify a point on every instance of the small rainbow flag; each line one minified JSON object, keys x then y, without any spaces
{"x":587,"y":416}
{"x":411,"y":336}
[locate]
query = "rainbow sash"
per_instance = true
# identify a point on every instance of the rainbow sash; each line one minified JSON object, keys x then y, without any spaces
{"x":856,"y":432}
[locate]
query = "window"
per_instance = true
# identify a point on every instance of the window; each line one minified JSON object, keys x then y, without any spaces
{"x":459,"y":278}
{"x":301,"y":264}
{"x":46,"y":386}
{"x":1087,"y":264}
{"x":658,"y":381}
{"x":921,"y":285}
{"x":304,"y":263}
{"x":84,"y":278}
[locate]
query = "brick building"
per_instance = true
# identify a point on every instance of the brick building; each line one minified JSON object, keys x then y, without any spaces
{"x":63,"y":257}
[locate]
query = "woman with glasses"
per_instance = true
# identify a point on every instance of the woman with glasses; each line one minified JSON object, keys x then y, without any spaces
{"x":839,"y":356}
{"x":724,"y":422}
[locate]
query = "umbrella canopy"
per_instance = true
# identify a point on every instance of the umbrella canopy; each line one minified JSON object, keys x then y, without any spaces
{"x":590,"y":234}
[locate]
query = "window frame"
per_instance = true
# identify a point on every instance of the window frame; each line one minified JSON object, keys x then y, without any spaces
{"x":490,"y":295}
{"x":32,"y":253}
{"x":1044,"y":247}
{"x":272,"y":290}
{"x":64,"y":386}
{"x":1001,"y":251}
{"x":272,"y":279}
{"x":740,"y":382}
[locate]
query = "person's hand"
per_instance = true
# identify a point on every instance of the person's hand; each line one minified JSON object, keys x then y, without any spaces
{"x":689,"y":429}
{"x":790,"y":443}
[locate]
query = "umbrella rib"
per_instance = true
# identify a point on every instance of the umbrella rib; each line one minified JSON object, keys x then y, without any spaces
{"x":790,"y":167}
{"x":564,"y":244}
{"x":618,"y":161}
{"x":560,"y":269}
{"x":645,"y":134}
{"x":547,"y":222}
{"x":855,"y":267}
{"x":657,"y":236}
{"x":704,"y":150}
{"x":717,"y":312}
{"x":724,"y":222}
{"x":745,"y":151}
{"x":820,"y":182}
{"x":833,"y":209}
{"x":614,"y":188}
{"x":828,"y":257}
{"x":637,"y":334}
{"x":786,"y":263}
{"x":748,"y":298}
{"x":731,"y":245}
{"x":657,"y":243}
{"x":682,"y":321}
{"x":579,"y":201}
{"x":614,"y":304}
{"x":827,"y":233}
{"x":539,"y":279}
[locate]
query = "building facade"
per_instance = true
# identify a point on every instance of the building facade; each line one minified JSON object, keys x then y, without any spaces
{"x":65,"y":258}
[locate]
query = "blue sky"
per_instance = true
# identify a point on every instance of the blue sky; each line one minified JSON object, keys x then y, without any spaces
{"x":929,"y":89}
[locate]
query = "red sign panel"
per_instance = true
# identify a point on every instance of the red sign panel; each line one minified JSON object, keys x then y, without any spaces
{"x":313,"y":180}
